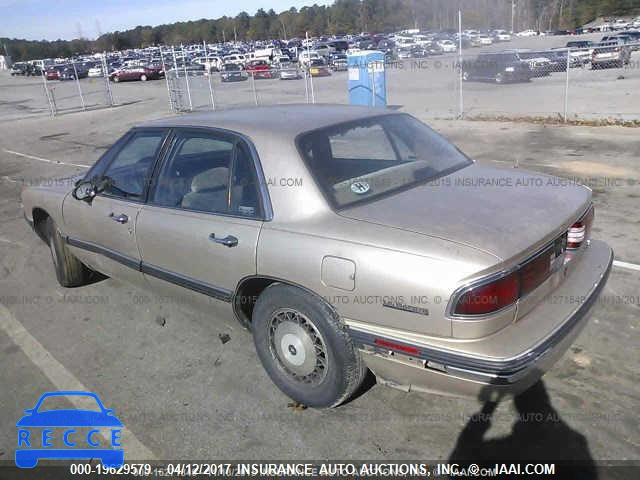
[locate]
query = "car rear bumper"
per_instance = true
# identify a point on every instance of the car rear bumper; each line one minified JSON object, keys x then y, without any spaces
{"x":468,"y":369}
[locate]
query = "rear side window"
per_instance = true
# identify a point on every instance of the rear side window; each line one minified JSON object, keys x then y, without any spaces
{"x":196,"y":174}
{"x":209,"y":172}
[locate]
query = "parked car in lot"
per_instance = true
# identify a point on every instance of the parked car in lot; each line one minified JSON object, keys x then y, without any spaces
{"x":461,"y":273}
{"x":306,"y":56}
{"x":501,"y":36}
{"x":188,"y":69}
{"x":527,"y":33}
{"x":610,"y":55}
{"x":95,"y":72}
{"x":52,"y":73}
{"x":582,"y":50}
{"x":558,"y":59}
{"x":259,"y":69}
{"x":497,"y":67}
{"x":338,"y":62}
{"x":317,"y":67}
{"x":485,"y":40}
{"x":236,"y":58}
{"x":405,"y":53}
{"x":291,"y":72}
{"x":126,"y":74}
{"x":232,"y":72}
{"x":539,"y":62}
{"x":447,"y":46}
{"x":21,"y":69}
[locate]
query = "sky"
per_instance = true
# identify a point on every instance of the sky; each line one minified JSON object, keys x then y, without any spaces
{"x":68,"y":19}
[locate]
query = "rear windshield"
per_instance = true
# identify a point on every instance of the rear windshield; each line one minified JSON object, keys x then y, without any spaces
{"x":358,"y":161}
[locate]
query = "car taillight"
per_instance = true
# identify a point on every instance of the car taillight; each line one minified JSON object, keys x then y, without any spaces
{"x":534,"y":272}
{"x":580,"y":231}
{"x":489,"y":297}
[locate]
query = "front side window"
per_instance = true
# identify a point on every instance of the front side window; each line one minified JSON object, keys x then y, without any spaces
{"x":130,"y":168}
{"x":359,"y":161}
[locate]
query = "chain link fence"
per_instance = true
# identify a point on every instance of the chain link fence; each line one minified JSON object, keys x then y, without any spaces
{"x":584,"y":84}
{"x":596,"y":83}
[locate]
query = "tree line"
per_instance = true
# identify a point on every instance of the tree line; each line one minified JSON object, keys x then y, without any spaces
{"x":341,"y":17}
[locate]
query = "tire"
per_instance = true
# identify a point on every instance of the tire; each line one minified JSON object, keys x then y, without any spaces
{"x":499,"y":78}
{"x":303,"y":347}
{"x":70,"y":271}
{"x":465,"y":76}
{"x":116,"y":79}
{"x":143,"y":78}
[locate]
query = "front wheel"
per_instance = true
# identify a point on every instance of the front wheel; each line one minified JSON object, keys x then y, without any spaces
{"x":303,"y":347}
{"x":70,"y":271}
{"x":116,"y":79}
{"x":143,"y":78}
{"x":499,"y":78}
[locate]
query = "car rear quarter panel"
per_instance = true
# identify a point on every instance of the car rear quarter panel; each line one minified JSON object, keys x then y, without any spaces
{"x":392,"y":269}
{"x":400,"y":265}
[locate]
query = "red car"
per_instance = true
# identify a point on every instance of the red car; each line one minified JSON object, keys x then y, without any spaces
{"x":52,"y":74}
{"x":259,"y":69}
{"x":134,"y":73}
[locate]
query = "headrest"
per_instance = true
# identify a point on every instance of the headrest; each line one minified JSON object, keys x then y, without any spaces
{"x":212,"y":179}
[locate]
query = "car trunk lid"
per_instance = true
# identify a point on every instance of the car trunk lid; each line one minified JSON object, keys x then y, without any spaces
{"x":506,"y":213}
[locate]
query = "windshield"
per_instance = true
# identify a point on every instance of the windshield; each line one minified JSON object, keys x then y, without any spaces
{"x":361,"y":160}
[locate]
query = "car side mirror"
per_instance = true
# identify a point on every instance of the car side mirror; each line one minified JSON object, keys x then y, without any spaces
{"x":85,"y":190}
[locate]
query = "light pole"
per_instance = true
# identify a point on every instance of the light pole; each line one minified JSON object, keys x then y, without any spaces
{"x":513,"y":15}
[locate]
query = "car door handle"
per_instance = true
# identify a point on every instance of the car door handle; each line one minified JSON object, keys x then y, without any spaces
{"x":122,"y":218}
{"x":228,"y":241}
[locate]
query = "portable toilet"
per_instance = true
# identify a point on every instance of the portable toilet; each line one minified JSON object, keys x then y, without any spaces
{"x":367,"y":83}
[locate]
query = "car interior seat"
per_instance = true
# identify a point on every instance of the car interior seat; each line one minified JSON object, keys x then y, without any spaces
{"x":209,"y":191}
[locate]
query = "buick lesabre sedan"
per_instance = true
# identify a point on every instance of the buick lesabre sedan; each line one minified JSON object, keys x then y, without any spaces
{"x":345,"y":239}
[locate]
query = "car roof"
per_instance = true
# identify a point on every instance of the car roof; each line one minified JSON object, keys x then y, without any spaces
{"x":278,"y":120}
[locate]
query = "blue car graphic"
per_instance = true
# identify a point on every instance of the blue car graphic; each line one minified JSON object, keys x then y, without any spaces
{"x":68,"y":418}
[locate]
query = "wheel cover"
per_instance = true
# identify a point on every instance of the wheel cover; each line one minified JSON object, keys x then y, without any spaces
{"x":297,"y":346}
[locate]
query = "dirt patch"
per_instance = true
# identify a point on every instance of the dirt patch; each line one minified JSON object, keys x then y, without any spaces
{"x":581,"y":167}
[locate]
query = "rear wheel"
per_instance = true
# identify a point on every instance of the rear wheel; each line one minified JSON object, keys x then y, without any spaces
{"x":143,"y":78}
{"x":70,"y":271}
{"x":465,"y":76}
{"x":499,"y":78}
{"x":303,"y":347}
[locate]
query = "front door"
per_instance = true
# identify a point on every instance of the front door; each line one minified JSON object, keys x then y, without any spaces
{"x":104,"y":231}
{"x":199,"y":230}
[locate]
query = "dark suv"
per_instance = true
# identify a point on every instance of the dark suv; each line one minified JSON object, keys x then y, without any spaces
{"x":497,"y":67}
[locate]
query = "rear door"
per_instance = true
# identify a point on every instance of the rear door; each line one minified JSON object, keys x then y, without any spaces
{"x":103,"y":232}
{"x":199,"y":230}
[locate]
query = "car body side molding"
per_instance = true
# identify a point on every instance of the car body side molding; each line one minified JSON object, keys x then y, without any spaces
{"x":166,"y":275}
